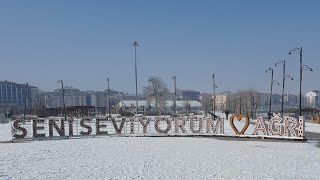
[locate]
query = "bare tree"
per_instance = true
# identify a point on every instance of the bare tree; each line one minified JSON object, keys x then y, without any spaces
{"x":187,"y":106}
{"x":39,"y":102}
{"x":206,"y":103}
{"x":156,"y":91}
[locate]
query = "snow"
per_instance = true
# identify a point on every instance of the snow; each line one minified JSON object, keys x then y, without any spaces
{"x":312,"y":127}
{"x":158,"y":158}
{"x":5,"y":132}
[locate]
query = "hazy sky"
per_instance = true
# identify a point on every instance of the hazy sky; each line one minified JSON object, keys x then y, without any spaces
{"x":84,"y":42}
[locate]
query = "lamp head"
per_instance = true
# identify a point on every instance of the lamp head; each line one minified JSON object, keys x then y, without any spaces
{"x":268,"y":70}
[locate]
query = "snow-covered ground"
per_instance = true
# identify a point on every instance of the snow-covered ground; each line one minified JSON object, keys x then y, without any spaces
{"x":5,"y":132}
{"x":312,"y":127}
{"x":158,"y":158}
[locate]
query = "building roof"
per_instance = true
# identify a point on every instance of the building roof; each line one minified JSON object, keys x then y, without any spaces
{"x":10,"y":82}
{"x":184,"y":91}
{"x":224,"y":93}
{"x":129,"y":103}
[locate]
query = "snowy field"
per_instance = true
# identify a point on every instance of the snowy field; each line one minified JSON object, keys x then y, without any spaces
{"x":159,"y":158}
{"x":312,"y":127}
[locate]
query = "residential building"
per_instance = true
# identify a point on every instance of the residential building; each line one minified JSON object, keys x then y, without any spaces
{"x":221,"y":100}
{"x":102,"y":98}
{"x":14,"y":95}
{"x":313,"y":100}
{"x":72,"y":97}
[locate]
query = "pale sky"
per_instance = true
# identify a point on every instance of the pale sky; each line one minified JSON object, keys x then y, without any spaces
{"x":84,"y":42}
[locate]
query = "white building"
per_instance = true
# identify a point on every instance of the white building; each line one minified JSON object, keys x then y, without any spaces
{"x":143,"y":104}
{"x":72,"y":97}
{"x":313,"y":99}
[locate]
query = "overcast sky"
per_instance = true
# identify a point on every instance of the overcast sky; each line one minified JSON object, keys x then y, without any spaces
{"x":84,"y":42}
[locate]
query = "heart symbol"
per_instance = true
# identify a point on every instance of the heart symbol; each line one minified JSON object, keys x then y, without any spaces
{"x":239,"y":117}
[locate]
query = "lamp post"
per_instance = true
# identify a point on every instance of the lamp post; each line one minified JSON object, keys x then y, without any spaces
{"x":235,"y":106}
{"x":64,"y":104}
{"x":252,"y":103}
{"x":240,"y":105}
{"x":214,"y":95}
{"x":109,"y":104}
{"x":272,"y":81}
{"x":135,"y":44}
{"x":300,"y":52}
{"x":283,"y":81}
{"x":175,"y":95}
{"x":25,"y":101}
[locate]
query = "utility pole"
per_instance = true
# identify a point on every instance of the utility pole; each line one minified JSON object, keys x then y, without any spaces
{"x":214,"y":95}
{"x":272,"y":81}
{"x":64,"y":104}
{"x":283,"y":82}
{"x":300,"y":94}
{"x":252,"y":103}
{"x":135,"y":44}
{"x":270,"y":99}
{"x":25,"y":101}
{"x":109,"y":107}
{"x":175,"y":95}
{"x":240,"y":104}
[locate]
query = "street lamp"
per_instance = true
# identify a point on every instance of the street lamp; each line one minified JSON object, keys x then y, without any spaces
{"x":252,"y":103}
{"x":300,"y":53}
{"x":25,"y":102}
{"x":240,"y":105}
{"x":306,"y":68}
{"x":175,"y":95}
{"x":272,"y":82}
{"x":109,"y":104}
{"x":235,"y":106}
{"x":214,"y":95}
{"x":64,"y":104}
{"x":283,"y":82}
{"x":135,"y":44}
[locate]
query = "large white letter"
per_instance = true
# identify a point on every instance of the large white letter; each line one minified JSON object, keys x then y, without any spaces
{"x":260,"y":126}
{"x":179,"y":123}
{"x":214,"y":127}
{"x":275,"y":121}
{"x":144,"y":124}
{"x":290,"y":124}
{"x":157,"y":124}
{"x":192,"y":125}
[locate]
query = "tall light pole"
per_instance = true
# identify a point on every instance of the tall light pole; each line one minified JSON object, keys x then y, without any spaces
{"x":25,"y":101}
{"x":301,"y":69}
{"x":272,"y":81}
{"x":109,"y":107}
{"x":235,"y":105}
{"x":252,"y":103}
{"x":135,"y":44}
{"x":240,"y":105}
{"x":283,"y":81}
{"x":214,"y":95}
{"x":175,"y":95}
{"x":64,"y":104}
